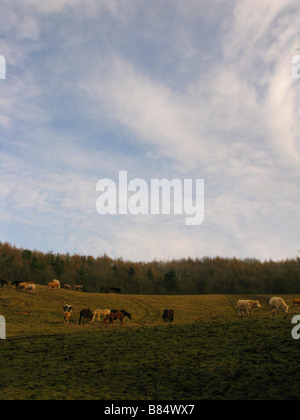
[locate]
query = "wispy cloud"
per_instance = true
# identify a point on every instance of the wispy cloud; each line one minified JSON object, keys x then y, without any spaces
{"x":175,"y":89}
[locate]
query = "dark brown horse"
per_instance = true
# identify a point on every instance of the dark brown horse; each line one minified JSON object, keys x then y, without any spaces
{"x":16,"y":282}
{"x":85,"y":314}
{"x":113,"y":316}
{"x":168,"y":315}
{"x":123,"y":311}
{"x":115,"y":289}
{"x":3,"y":282}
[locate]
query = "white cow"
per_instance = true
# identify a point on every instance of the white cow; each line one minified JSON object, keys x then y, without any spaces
{"x":56,"y":282}
{"x":278,"y":303}
{"x":247,"y":306}
{"x":30,"y":288}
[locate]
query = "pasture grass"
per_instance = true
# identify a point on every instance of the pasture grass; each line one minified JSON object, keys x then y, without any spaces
{"x":208,"y":353}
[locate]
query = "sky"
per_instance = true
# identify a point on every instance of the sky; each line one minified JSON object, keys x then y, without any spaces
{"x":193,"y":89}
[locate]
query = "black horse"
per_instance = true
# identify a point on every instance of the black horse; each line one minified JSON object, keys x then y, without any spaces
{"x":3,"y":282}
{"x":115,"y":289}
{"x":85,"y":314}
{"x":168,"y":315}
{"x":17,"y":282}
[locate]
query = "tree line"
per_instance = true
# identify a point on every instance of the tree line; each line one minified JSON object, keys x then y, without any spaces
{"x":185,"y":276}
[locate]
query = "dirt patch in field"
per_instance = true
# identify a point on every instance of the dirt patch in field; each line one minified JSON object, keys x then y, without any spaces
{"x":21,"y":313}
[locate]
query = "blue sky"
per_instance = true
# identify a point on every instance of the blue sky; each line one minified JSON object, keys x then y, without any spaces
{"x":162,"y":88}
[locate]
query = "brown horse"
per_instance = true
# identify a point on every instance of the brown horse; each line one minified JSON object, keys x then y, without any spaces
{"x":85,"y":314}
{"x":168,"y":315}
{"x":113,"y":316}
{"x":125,"y":313}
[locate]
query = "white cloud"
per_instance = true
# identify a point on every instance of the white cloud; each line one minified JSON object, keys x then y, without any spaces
{"x":226,"y":111}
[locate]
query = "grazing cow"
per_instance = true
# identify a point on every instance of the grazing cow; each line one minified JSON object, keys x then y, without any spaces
{"x":168,"y":315}
{"x":247,"y":306}
{"x":104,"y":289}
{"x":56,"y":282}
{"x":296,"y":301}
{"x":85,"y":314}
{"x":68,"y":286}
{"x":78,"y":288}
{"x":3,"y":282}
{"x":125,"y":313}
{"x":277,"y":304}
{"x":99,"y":313}
{"x":113,"y":316}
{"x":22,"y":286}
{"x":53,"y":285}
{"x":30,"y":288}
{"x":67,"y":316}
{"x":67,"y":308}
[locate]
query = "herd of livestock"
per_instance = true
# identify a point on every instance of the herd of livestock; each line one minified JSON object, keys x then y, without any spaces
{"x":30,"y":286}
{"x":277,"y":304}
{"x":109,"y":316}
{"x":54,"y":284}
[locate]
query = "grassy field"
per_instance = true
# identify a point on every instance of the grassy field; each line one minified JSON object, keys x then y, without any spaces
{"x":207,"y":353}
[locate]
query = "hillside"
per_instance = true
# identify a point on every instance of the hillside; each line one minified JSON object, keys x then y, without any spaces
{"x":207,"y":353}
{"x":40,"y":313}
{"x":185,"y":276}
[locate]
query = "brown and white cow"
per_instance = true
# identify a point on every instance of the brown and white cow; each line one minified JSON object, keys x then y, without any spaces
{"x":296,"y":301}
{"x":22,"y":286}
{"x":67,"y":316}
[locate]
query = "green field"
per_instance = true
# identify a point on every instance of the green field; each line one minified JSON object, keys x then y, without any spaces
{"x":207,"y":353}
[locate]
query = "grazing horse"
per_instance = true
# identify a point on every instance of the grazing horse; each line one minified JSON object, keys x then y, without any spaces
{"x":168,"y":315}
{"x":16,"y":282}
{"x":113,"y":316}
{"x":99,"y":313}
{"x":115,"y":289}
{"x":85,"y":314}
{"x":125,"y":313}
{"x":3,"y":282}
